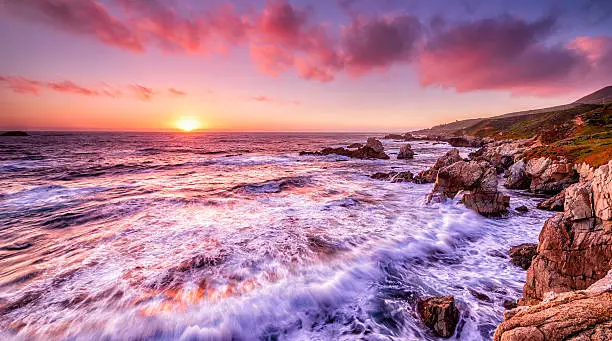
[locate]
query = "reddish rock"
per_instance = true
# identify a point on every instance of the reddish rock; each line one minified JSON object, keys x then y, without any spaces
{"x":550,"y":176}
{"x":440,"y":314}
{"x":354,"y":145}
{"x":522,"y":255}
{"x":602,"y":191}
{"x":465,"y":141}
{"x":405,"y":152}
{"x":429,"y":176}
{"x":576,"y":316}
{"x":517,"y":177}
{"x":393,"y":176}
{"x":376,"y":145}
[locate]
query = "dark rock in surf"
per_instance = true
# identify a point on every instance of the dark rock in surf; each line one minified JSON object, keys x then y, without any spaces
{"x":354,"y":145}
{"x":510,"y":304}
{"x":375,"y":144}
{"x":522,"y":209}
{"x":465,"y":141}
{"x":364,"y":152}
{"x":393,"y":176}
{"x":14,"y":133}
{"x":522,"y":255}
{"x":429,"y":176}
{"x":440,"y":314}
{"x":405,"y":152}
{"x":394,"y":137}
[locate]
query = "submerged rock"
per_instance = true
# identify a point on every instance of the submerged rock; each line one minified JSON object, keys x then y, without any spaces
{"x":578,"y":316}
{"x":522,"y":255}
{"x":522,"y":209}
{"x":405,"y":152}
{"x":393,"y":176}
{"x":554,"y":203}
{"x":14,"y":133}
{"x":440,"y":314}
{"x":429,"y":176}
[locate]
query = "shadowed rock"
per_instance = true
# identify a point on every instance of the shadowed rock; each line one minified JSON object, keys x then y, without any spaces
{"x":429,"y":176}
{"x":554,"y":203}
{"x":550,"y":176}
{"x":517,"y":177}
{"x":405,"y":152}
{"x":393,"y":176}
{"x":522,"y":255}
{"x":376,"y":145}
{"x":440,"y":314}
{"x":364,"y":152}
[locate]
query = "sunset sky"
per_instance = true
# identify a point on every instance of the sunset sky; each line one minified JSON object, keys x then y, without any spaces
{"x":276,"y":65}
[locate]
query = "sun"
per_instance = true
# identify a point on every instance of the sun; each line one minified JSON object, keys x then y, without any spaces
{"x":187,"y":124}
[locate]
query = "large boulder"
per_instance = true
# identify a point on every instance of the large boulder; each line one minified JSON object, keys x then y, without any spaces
{"x":550,"y":176}
{"x":440,"y":314}
{"x":465,"y":141}
{"x":478,"y":179}
{"x":602,"y":191}
{"x":575,"y":247}
{"x":429,"y":176}
{"x":522,"y":255}
{"x":501,"y":154}
{"x":393,"y":176}
{"x":517,"y":177}
{"x":376,"y":145}
{"x":554,"y":203}
{"x":363,"y":152}
{"x":405,"y":152}
{"x":394,"y":137}
{"x":572,"y":316}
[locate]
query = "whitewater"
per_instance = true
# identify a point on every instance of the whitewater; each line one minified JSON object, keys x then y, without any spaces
{"x":215,"y":236}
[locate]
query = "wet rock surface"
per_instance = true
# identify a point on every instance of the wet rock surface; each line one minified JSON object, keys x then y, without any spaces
{"x":393,"y":176}
{"x":440,"y":314}
{"x":522,"y":255}
{"x":429,"y":176}
{"x":554,"y":203}
{"x":550,"y":176}
{"x":405,"y":152}
{"x":364,"y":152}
{"x":517,"y":177}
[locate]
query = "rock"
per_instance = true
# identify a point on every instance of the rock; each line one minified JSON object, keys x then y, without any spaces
{"x":522,"y":209}
{"x":509,"y":304}
{"x":550,"y":176}
{"x":480,"y":296}
{"x":487,"y":204}
{"x":354,"y":145}
{"x":465,"y":141}
{"x":429,"y":176}
{"x":405,"y":152}
{"x":576,"y":316}
{"x":554,"y":203}
{"x":440,"y":314}
{"x":602,"y":191}
{"x":478,"y":179}
{"x":522,"y":255}
{"x":14,"y":133}
{"x":393,"y":176}
{"x":501,"y":154}
{"x":394,"y":137}
{"x":517,"y":177}
{"x":577,"y":204}
{"x":16,"y":246}
{"x":364,"y":152}
{"x":376,"y":145}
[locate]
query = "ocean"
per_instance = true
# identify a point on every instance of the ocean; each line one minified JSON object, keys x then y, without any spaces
{"x":235,"y":236}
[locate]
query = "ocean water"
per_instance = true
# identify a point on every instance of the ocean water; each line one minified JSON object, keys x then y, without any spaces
{"x":165,"y":236}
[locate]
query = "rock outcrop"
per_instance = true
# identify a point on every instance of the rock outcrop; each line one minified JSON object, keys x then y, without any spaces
{"x":554,"y":203}
{"x":572,"y":316}
{"x":394,"y":137}
{"x":517,"y":177}
{"x":550,"y":176}
{"x":575,"y":247}
{"x":440,"y":314}
{"x":354,"y":145}
{"x":364,"y":152}
{"x":429,"y":176}
{"x":393,"y":176}
{"x":405,"y":152}
{"x":501,"y":154}
{"x":522,"y":255}
{"x":478,"y":180}
{"x":375,"y":144}
{"x":465,"y":141}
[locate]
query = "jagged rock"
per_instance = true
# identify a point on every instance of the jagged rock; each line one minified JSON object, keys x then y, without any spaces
{"x":393,"y":176}
{"x":501,"y":154}
{"x":509,"y":304}
{"x":405,"y":152}
{"x":522,"y":209}
{"x":584,"y":315}
{"x":554,"y":203}
{"x":440,"y":314}
{"x":577,"y":204}
{"x":517,"y":177}
{"x":550,"y":176}
{"x":602,"y":191}
{"x":364,"y":152}
{"x":478,"y":179}
{"x":522,"y":255}
{"x":429,"y":176}
{"x":376,"y":145}
{"x":354,"y":145}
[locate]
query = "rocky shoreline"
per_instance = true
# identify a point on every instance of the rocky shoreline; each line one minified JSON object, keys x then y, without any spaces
{"x":568,"y":293}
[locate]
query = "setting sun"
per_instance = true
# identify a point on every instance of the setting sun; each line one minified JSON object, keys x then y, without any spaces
{"x":188,"y":124}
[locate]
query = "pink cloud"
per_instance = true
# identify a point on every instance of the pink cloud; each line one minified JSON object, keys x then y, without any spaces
{"x":71,"y":87}
{"x":266,"y":99}
{"x":504,"y":53}
{"x":81,"y":17}
{"x":22,"y":85}
{"x":142,"y":92}
{"x":177,"y":93}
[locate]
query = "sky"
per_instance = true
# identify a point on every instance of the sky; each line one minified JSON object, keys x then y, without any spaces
{"x":282,"y":65}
